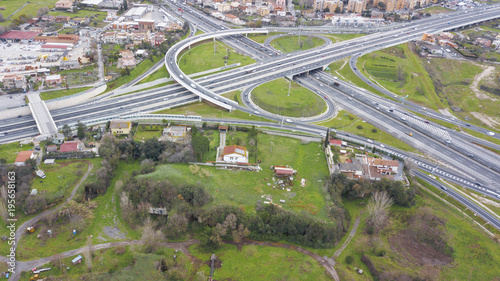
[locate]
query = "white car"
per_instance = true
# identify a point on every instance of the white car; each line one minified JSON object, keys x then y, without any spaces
{"x":381,"y":145}
{"x":491,"y":133}
{"x":289,"y":120}
{"x":369,"y":140}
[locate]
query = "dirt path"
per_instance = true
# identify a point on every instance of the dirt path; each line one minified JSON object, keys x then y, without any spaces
{"x":326,"y":262}
{"x":349,"y":238}
{"x":21,"y":230}
{"x":474,"y":86}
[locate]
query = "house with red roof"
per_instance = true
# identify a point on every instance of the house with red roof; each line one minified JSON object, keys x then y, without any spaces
{"x":235,"y":154}
{"x":70,"y":146}
{"x":335,"y":142}
{"x":22,"y":157}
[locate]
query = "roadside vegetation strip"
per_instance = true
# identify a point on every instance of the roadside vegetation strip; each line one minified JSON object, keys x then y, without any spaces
{"x":288,"y":44}
{"x":436,"y":10}
{"x":402,"y":73}
{"x":201,"y":57}
{"x":49,"y":95}
{"x":273,"y":97}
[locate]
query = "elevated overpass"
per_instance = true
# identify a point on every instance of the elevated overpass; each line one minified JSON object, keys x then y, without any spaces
{"x":188,"y":83}
{"x":43,"y":118}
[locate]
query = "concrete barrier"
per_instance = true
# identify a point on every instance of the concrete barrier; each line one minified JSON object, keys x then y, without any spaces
{"x":13,"y":112}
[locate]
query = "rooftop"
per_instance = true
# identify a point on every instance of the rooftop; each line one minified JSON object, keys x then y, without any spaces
{"x":23,"y":156}
{"x":20,"y":35}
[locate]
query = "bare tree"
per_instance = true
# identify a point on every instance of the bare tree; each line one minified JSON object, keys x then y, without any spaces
{"x":378,"y":207}
{"x":87,"y":253}
{"x":150,"y":236}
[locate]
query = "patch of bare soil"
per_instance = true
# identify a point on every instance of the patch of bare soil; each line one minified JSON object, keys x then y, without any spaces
{"x":416,"y":252}
{"x":491,"y":122}
{"x":487,"y":71}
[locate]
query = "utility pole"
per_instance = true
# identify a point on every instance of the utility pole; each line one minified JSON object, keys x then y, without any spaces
{"x":289,"y":86}
{"x":214,"y":46}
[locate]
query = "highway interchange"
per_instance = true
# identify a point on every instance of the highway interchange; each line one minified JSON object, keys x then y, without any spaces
{"x":479,"y":172}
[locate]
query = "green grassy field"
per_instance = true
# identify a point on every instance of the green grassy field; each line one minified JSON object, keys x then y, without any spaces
{"x":160,"y":73}
{"x":201,"y":57}
{"x":402,"y":72}
{"x":474,"y":254}
{"x":134,"y":73}
{"x":342,"y":36}
{"x":288,"y":44}
{"x":62,"y":93}
{"x":30,"y":9}
{"x":273,"y":97}
{"x":348,"y":123}
{"x":106,"y":215}
{"x":205,"y":110}
{"x":109,"y":264}
{"x":9,"y":151}
{"x":60,"y":178}
{"x":98,"y":15}
{"x":436,"y":10}
{"x":308,"y":159}
{"x":262,"y":263}
{"x":141,"y":134}
{"x":261,"y":38}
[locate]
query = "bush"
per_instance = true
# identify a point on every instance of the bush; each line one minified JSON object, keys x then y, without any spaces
{"x":359,"y":127}
{"x":374,"y":130}
{"x":370,"y":266}
{"x":349,"y":259}
{"x":381,"y":253}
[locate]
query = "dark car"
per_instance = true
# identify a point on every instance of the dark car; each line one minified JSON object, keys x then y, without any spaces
{"x":19,"y":116}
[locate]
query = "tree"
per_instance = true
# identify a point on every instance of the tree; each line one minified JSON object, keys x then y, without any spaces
{"x":378,"y":207}
{"x":125,"y":5}
{"x":176,"y":226}
{"x":381,"y":5}
{"x":326,"y":10}
{"x":66,"y":131}
{"x":152,"y":148}
{"x":80,"y":132}
{"x":1,"y":18}
{"x":200,"y":144}
{"x":338,"y":10}
{"x":42,"y":11}
{"x":87,"y":254}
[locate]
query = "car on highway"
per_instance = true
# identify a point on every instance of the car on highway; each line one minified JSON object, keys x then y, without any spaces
{"x":256,"y":112}
{"x":326,"y":97}
{"x":491,"y":133}
{"x":193,"y":85}
{"x":382,"y":145}
{"x":444,"y":188}
{"x":289,"y":120}
{"x":369,"y":140}
{"x":19,"y":116}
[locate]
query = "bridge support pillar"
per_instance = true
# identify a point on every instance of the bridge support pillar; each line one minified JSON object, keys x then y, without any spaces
{"x":199,"y":99}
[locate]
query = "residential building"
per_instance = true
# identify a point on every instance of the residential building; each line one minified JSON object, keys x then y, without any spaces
{"x":284,"y":171}
{"x":64,"y":5}
{"x":353,"y":169}
{"x":62,"y":18}
{"x":53,"y":80}
{"x":69,"y":64}
{"x":233,"y":19}
{"x":224,"y":7}
{"x":11,"y":82}
{"x":127,"y":59}
{"x":320,"y":5}
{"x":71,"y":146}
{"x":47,"y":18}
{"x":235,"y":154}
{"x":175,"y":131}
{"x":51,"y":148}
{"x":22,"y":157}
{"x":263,"y":11}
{"x":120,"y":127}
{"x":109,"y":37}
{"x":60,"y":38}
{"x":136,"y":12}
{"x":334,"y":142}
{"x":146,"y":25}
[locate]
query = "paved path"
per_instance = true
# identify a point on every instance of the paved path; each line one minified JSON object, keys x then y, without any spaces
{"x":348,"y":240}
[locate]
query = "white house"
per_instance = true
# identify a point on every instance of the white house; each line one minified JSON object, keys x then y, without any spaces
{"x":235,"y":154}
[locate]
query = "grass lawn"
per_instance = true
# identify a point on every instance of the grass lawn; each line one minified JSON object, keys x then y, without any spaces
{"x":262,"y":263}
{"x":100,"y":16}
{"x":436,"y":10}
{"x":62,"y":93}
{"x":142,"y":134}
{"x":348,"y":123}
{"x":474,"y":258}
{"x":262,"y":37}
{"x":273,"y":97}
{"x":402,"y":72}
{"x":201,"y":57}
{"x":205,"y":110}
{"x":108,"y":264}
{"x":308,"y":159}
{"x":9,"y":151}
{"x":107,"y":215}
{"x":60,"y":178}
{"x":134,"y":73}
{"x":30,"y":9}
{"x":160,"y":73}
{"x":337,"y":37}
{"x":288,"y":44}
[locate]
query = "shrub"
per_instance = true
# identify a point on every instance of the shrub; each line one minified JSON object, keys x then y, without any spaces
{"x":349,"y":259}
{"x":359,"y":127}
{"x":374,"y":130}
